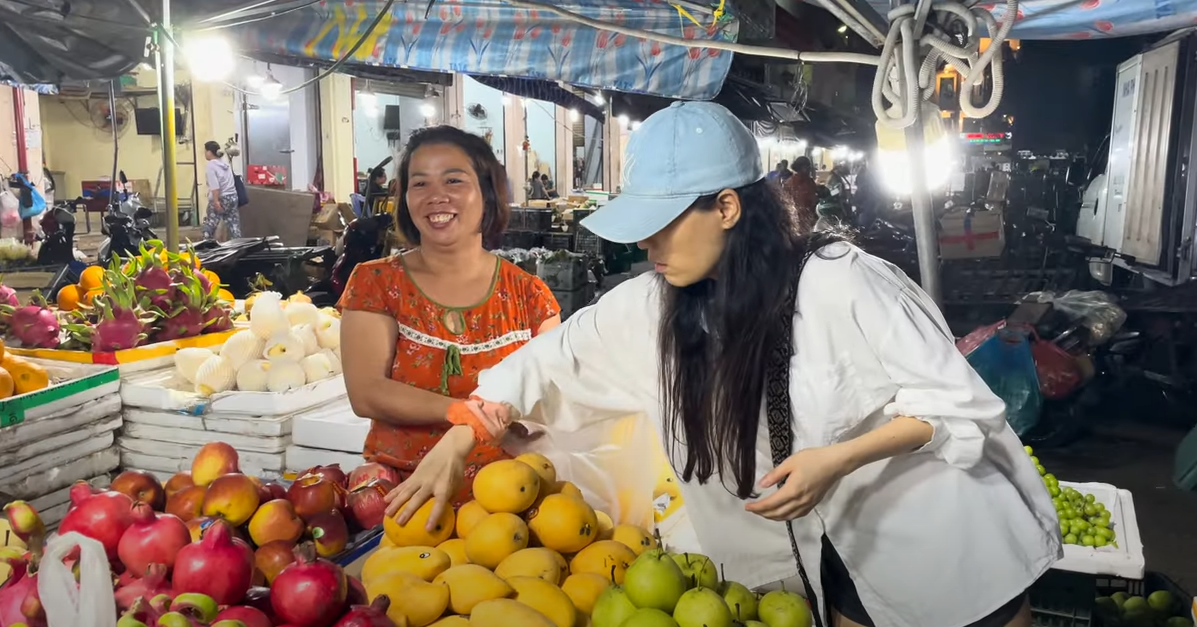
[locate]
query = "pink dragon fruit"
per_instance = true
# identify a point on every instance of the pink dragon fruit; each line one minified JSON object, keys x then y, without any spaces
{"x":154,"y":281}
{"x":35,"y":325}
{"x":122,"y":321}
{"x":190,"y":316}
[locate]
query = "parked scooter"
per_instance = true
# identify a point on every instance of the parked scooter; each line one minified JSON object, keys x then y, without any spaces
{"x":365,"y":239}
{"x":58,"y":227}
{"x":127,"y":225}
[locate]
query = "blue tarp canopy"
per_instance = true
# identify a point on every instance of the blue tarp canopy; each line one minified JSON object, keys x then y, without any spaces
{"x":1089,"y":19}
{"x":490,"y":37}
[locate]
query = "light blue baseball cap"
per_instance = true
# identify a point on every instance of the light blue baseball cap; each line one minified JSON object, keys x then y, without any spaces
{"x":678,"y":155}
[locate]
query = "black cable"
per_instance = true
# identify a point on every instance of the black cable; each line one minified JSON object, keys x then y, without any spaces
{"x":260,"y":18}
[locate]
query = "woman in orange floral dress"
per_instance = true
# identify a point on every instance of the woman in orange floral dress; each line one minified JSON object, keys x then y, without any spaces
{"x":417,"y":328}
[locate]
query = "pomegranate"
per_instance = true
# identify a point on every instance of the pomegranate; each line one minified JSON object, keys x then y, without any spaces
{"x":216,"y":566}
{"x":370,"y":471}
{"x":372,"y":615}
{"x":152,"y":539}
{"x":151,"y":584}
{"x":367,"y":504}
{"x":310,"y":592}
{"x":102,"y":516}
{"x":259,"y":599}
{"x":19,"y":595}
{"x":250,"y":616}
{"x":331,"y":473}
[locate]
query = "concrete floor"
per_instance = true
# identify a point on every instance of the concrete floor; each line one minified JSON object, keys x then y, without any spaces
{"x":1140,"y":458}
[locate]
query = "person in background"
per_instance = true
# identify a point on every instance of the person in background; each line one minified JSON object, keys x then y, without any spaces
{"x":536,"y":188}
{"x":802,"y":190}
{"x":418,"y":327}
{"x":781,"y":173}
{"x":835,"y":205}
{"x":809,"y":395}
{"x":222,"y":194}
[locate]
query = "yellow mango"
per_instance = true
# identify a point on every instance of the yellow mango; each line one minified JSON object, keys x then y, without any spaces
{"x":545,"y":598}
{"x":471,"y":584}
{"x":546,"y":564}
{"x":507,"y":613}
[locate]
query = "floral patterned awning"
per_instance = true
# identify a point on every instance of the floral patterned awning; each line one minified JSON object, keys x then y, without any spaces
{"x":494,"y":38}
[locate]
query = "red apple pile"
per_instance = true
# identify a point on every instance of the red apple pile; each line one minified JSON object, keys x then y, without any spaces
{"x":215,"y":547}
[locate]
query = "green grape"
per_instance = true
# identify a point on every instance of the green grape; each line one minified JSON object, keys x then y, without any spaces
{"x":1104,"y":533}
{"x":1064,"y":527}
{"x":1035,"y":460}
{"x":1053,"y":490}
{"x":1029,"y":450}
{"x":1099,"y":541}
{"x":1070,"y":539}
{"x":1050,"y":478}
{"x":1041,"y":469}
{"x":1087,"y":541}
{"x":1090,"y":510}
{"x":1089,"y":498}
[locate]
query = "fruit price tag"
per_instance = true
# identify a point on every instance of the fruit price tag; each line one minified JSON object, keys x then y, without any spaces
{"x":12,"y":412}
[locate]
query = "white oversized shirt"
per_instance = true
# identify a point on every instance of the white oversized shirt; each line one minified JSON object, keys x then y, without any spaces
{"x":941,"y":537}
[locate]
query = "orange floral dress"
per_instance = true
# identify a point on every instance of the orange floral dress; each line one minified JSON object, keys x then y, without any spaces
{"x":431,"y":356}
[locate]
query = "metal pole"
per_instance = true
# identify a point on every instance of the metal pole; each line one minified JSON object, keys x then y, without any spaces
{"x":925,"y":231}
{"x":165,"y":58}
{"x":113,"y":200}
{"x":18,"y":107}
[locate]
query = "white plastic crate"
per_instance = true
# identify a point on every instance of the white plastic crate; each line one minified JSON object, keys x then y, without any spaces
{"x":167,"y":458}
{"x":163,"y":390}
{"x":333,"y":427}
{"x":300,"y":458}
{"x":1124,"y":561}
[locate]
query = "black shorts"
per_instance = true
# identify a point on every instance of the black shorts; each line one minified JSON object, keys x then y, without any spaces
{"x":840,"y":594}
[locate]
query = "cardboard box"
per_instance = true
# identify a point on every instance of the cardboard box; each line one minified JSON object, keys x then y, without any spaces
{"x":966,"y":234}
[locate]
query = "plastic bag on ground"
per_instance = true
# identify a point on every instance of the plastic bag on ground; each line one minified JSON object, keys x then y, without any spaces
{"x":607,"y":462}
{"x":1005,"y":363}
{"x":89,"y":603}
{"x":1100,"y":314}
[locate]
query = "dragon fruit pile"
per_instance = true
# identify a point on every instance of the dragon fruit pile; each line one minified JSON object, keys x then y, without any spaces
{"x":289,"y":343}
{"x":153,"y":297}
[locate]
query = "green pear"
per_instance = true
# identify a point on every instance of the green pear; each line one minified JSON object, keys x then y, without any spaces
{"x":649,"y":617}
{"x":702,"y":607}
{"x":698,"y":569}
{"x":611,"y":608}
{"x":654,"y":581}
{"x":740,"y":600}
{"x":782,"y":608}
{"x":754,"y":623}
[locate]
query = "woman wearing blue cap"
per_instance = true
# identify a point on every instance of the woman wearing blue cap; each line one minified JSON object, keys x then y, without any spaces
{"x":810,"y":396}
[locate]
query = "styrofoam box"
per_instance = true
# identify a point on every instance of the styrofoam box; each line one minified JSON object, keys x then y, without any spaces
{"x":165,"y":390}
{"x":66,"y":425}
{"x":63,"y":469}
{"x":170,"y":457}
{"x":300,"y":458}
{"x":1124,"y":561}
{"x":333,"y":427}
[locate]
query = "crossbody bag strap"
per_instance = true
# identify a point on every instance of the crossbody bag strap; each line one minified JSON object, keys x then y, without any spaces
{"x":780,"y":419}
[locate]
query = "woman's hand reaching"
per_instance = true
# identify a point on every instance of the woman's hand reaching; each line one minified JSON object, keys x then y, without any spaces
{"x":808,"y":474}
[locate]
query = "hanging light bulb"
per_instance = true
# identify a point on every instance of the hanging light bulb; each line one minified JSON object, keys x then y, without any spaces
{"x":368,"y":98}
{"x":573,"y":115}
{"x":209,"y":57}
{"x":271,"y":89}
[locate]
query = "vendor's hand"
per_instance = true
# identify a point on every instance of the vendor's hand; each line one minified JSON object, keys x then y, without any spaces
{"x":496,"y":417}
{"x":808,"y":475}
{"x":438,"y":476}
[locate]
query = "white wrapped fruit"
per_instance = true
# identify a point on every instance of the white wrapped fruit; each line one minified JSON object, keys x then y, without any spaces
{"x":331,"y":312}
{"x":242,"y":347}
{"x":214,"y":376}
{"x":284,"y":347}
{"x":316,"y":368}
{"x":328,"y":332}
{"x":188,"y":361}
{"x":253,"y":375}
{"x":267,"y":317}
{"x":307,"y":335}
{"x":302,"y":313}
{"x":285,"y":376}
{"x":333,"y":361}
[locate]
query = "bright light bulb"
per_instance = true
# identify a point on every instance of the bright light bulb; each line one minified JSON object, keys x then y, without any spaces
{"x":368,"y":99}
{"x":623,"y":121}
{"x":255,"y":81}
{"x":801,"y":145}
{"x":271,"y":90}
{"x":427,"y":110}
{"x":598,"y":99}
{"x":937,"y":163}
{"x":573,"y":115}
{"x":209,"y":57}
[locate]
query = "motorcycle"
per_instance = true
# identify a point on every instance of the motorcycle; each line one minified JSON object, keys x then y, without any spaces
{"x":365,"y":240}
{"x":58,"y":228}
{"x":127,"y":225}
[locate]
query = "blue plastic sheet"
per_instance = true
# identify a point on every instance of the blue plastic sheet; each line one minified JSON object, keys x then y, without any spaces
{"x":1005,"y":363}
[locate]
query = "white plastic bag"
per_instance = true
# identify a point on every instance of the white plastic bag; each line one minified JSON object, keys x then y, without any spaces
{"x":10,"y":216}
{"x":607,"y":461}
{"x":88,"y":604}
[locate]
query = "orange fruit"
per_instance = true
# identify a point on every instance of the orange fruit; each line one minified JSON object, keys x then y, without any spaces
{"x":226,"y":296}
{"x":89,"y":297}
{"x":92,"y":278}
{"x":68,"y":297}
{"x":212,"y":276}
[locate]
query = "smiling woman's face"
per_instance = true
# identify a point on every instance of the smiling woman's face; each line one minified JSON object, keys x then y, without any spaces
{"x":444,"y":197}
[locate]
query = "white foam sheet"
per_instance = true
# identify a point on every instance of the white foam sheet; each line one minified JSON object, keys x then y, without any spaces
{"x":334,"y":427}
{"x":60,"y":446}
{"x":1125,"y":560}
{"x":216,"y":422}
{"x":64,"y":420}
{"x":198,"y":438}
{"x":57,"y":476}
{"x":172,"y":457}
{"x":300,"y":458}
{"x":165,"y":390}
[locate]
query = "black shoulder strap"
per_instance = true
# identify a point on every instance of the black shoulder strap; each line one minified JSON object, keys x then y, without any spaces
{"x":780,"y":417}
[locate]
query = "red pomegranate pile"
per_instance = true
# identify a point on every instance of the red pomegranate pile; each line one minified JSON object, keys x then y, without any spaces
{"x":214,"y":547}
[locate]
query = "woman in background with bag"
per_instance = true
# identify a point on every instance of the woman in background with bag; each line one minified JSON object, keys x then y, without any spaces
{"x":222,"y":194}
{"x":809,"y":395}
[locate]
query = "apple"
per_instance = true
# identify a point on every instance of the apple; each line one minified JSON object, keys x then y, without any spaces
{"x":275,"y":520}
{"x":177,"y":482}
{"x":232,"y":497}
{"x":357,"y":591}
{"x":331,"y":472}
{"x":311,"y":495}
{"x":271,"y":558}
{"x":370,"y":471}
{"x":367,"y":504}
{"x":276,"y":489}
{"x":263,"y":492}
{"x":198,"y":525}
{"x":330,"y":533}
{"x":141,"y":487}
{"x":187,"y":503}
{"x":213,"y":460}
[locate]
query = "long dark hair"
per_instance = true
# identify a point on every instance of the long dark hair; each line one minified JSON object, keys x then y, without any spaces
{"x":717,"y":335}
{"x":492,"y":179}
